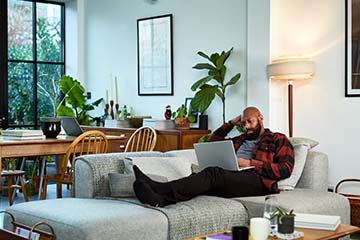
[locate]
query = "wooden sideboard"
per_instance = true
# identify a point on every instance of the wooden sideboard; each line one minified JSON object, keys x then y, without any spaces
{"x":166,"y":139}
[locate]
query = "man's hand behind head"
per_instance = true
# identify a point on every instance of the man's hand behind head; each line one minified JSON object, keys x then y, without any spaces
{"x":236,"y":120}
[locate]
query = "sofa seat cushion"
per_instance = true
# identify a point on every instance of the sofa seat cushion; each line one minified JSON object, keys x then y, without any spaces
{"x":303,"y":201}
{"x":92,"y":219}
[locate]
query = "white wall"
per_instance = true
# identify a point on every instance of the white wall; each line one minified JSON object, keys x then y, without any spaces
{"x":321,"y":112}
{"x":206,"y":25}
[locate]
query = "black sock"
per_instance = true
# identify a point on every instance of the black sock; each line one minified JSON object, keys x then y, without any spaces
{"x":157,"y":187}
{"x":146,"y":195}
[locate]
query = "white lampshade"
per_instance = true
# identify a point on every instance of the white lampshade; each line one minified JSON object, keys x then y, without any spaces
{"x":291,"y":69}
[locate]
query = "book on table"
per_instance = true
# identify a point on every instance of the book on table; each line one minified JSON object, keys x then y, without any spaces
{"x":220,"y":236}
{"x":316,"y":221}
{"x":17,"y":138}
{"x":22,"y":132}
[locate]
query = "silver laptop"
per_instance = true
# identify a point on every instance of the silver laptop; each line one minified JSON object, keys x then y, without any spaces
{"x":71,"y":126}
{"x":217,"y":154}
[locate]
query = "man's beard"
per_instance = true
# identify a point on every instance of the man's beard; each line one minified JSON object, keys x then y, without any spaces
{"x":255,"y":133}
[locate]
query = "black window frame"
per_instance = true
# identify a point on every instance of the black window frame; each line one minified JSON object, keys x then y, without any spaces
{"x":4,"y":59}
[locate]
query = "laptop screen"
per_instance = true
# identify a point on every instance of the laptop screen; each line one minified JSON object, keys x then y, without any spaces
{"x":71,"y":126}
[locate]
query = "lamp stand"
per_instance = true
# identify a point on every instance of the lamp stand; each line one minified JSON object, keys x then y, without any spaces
{"x":290,"y":106}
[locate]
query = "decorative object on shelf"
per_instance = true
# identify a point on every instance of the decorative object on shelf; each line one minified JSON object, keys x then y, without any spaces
{"x":216,"y":70}
{"x":155,"y":63}
{"x":50,"y":126}
{"x":112,"y":109}
{"x":75,"y":95}
{"x":285,"y":220}
{"x":180,"y":118}
{"x":168,"y":112}
{"x":291,"y":69}
{"x":352,"y":43}
{"x":137,"y":121}
{"x":193,"y":115}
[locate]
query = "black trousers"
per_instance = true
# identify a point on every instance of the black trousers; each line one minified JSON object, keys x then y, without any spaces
{"x":214,"y":181}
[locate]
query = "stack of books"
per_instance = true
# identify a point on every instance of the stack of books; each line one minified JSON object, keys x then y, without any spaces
{"x":22,"y":134}
{"x":316,"y":221}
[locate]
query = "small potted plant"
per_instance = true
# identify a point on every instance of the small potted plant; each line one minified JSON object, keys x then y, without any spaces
{"x":285,"y":220}
{"x":180,"y":118}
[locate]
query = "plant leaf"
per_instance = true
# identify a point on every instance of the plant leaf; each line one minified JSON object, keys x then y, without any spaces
{"x":227,"y":54}
{"x":201,"y":66}
{"x":214,"y":57}
{"x":200,"y":83}
{"x":204,"y":55}
{"x":73,"y":91}
{"x":63,"y":110}
{"x":203,"y":98}
{"x":233,"y":80}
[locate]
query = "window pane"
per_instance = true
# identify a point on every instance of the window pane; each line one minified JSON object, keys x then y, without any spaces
{"x":20,"y":90}
{"x":48,"y":90}
{"x":20,"y":29}
{"x":48,"y":32}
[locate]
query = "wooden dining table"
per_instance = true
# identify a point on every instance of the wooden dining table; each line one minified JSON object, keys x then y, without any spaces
{"x":44,"y":147}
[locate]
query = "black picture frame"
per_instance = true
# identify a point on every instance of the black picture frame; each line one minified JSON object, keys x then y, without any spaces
{"x":196,"y":124}
{"x":155,"y":56}
{"x":352,"y":48}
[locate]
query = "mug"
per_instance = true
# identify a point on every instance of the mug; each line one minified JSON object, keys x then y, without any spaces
{"x":240,"y":233}
{"x":259,"y":228}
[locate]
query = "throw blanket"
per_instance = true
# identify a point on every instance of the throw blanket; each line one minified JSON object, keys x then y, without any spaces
{"x":200,"y":215}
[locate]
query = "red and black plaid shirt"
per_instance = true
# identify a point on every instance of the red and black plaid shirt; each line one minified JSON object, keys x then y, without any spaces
{"x":273,"y":155}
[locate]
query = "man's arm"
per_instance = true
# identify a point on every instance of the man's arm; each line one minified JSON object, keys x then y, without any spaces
{"x":282,"y":164}
{"x":221,"y":132}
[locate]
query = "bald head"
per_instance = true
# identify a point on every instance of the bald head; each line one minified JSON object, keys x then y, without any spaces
{"x":251,"y":112}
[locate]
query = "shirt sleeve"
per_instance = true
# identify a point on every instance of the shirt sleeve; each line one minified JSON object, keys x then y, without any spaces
{"x":282,"y":163}
{"x":221,"y":132}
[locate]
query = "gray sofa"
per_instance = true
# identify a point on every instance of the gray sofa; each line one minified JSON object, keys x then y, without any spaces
{"x":93,"y":214}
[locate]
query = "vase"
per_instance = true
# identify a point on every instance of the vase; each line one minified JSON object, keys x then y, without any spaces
{"x":51,"y":127}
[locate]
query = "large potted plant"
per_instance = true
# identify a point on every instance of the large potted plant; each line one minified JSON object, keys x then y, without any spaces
{"x":75,"y":97}
{"x":213,"y":84}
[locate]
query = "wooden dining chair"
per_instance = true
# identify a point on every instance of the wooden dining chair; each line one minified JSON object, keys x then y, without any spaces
{"x":11,"y":174}
{"x":143,"y":139}
{"x":90,"y":142}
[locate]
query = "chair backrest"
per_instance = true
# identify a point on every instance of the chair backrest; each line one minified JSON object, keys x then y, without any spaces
{"x":143,"y":139}
{"x":90,"y":142}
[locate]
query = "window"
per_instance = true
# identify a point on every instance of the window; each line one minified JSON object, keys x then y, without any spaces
{"x":34,"y":61}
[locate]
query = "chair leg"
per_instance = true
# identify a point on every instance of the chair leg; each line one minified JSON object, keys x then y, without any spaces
{"x":44,"y":188}
{"x":59,"y":190}
{"x":23,"y":189}
{"x":10,"y":187}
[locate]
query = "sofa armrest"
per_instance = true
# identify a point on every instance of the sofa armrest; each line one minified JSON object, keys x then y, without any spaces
{"x":91,"y":173}
{"x":315,"y":173}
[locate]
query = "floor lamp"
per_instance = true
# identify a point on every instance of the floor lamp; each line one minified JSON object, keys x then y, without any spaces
{"x":291,"y":69}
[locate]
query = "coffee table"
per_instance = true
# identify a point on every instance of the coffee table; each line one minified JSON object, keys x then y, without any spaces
{"x":312,"y":234}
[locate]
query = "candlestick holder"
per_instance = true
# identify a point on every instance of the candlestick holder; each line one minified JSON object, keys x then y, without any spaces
{"x":112,"y":109}
{"x":106,"y":109}
{"x":117,"y":110}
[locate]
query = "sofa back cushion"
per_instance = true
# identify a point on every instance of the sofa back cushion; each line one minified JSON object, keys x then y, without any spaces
{"x":170,"y":167}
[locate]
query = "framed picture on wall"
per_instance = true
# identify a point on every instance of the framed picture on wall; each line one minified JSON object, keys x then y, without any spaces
{"x":191,"y":112}
{"x":352,"y":48}
{"x":154,"y":50}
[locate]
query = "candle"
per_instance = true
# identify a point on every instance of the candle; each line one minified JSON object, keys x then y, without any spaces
{"x":107,"y":96}
{"x":116,"y":91}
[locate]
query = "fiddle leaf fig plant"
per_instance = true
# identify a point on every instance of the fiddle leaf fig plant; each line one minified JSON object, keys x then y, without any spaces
{"x":206,"y":91}
{"x":75,"y":96}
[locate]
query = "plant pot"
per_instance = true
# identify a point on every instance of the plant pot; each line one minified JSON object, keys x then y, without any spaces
{"x":51,"y":127}
{"x":182,"y":123}
{"x":286,"y":224}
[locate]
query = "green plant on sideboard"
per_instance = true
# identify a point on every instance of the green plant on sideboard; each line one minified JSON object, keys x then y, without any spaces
{"x":216,"y":70}
{"x":75,"y":96}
